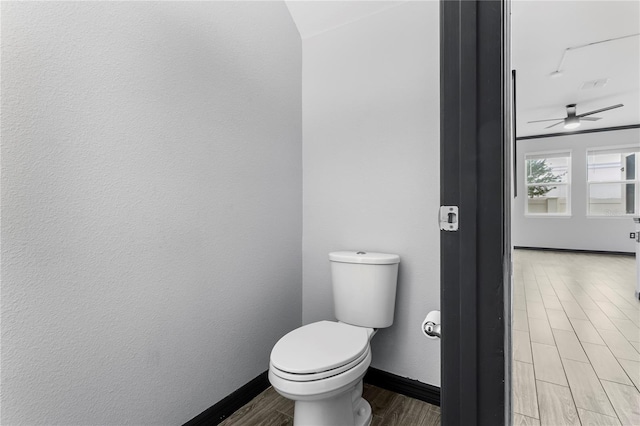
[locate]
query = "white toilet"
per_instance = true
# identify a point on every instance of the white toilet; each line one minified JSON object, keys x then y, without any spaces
{"x":321,"y":365}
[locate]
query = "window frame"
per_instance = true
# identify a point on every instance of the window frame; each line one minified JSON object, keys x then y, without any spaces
{"x":552,"y":153}
{"x":611,"y":149}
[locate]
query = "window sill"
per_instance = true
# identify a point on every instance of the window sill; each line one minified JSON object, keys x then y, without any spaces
{"x":623,"y":217}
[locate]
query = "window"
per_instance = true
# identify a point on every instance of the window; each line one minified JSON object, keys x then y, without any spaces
{"x":548,"y":184}
{"x":612,"y":181}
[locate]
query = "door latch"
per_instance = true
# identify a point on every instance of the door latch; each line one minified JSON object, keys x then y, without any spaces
{"x":448,"y":218}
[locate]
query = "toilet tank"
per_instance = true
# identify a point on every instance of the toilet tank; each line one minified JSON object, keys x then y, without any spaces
{"x":364,"y":287}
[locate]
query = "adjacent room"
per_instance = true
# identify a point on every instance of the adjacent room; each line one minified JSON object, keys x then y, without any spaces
{"x":576,"y":316}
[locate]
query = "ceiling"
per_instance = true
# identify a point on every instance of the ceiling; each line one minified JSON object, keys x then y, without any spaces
{"x":315,"y":17}
{"x":541,"y":31}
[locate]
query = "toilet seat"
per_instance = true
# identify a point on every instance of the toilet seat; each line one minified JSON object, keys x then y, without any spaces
{"x":318,"y":376}
{"x":319,"y":389}
{"x":319,"y":350}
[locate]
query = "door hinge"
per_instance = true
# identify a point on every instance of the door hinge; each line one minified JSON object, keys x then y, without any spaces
{"x":448,"y":218}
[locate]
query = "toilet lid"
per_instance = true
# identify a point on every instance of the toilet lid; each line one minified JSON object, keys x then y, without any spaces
{"x":319,"y":347}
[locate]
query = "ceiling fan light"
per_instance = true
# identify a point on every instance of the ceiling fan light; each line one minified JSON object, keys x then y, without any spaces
{"x":571,"y":123}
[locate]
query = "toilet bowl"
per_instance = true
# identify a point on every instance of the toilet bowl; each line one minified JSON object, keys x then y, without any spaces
{"x":320,"y":366}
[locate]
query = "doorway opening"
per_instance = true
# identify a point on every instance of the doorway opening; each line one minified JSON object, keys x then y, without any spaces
{"x":576,"y":322}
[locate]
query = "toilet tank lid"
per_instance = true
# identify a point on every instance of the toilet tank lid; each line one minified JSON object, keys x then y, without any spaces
{"x":364,"y":257}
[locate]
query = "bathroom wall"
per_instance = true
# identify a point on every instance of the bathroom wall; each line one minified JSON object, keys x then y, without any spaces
{"x":371,"y":168}
{"x":578,"y":231}
{"x":151,"y":205}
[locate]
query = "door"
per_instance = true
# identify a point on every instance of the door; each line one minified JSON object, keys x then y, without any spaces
{"x":475,"y":260}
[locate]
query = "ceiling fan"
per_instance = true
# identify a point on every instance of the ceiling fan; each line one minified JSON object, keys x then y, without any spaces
{"x":571,"y":121}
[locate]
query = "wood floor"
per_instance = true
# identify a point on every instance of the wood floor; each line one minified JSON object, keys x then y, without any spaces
{"x":576,"y":339}
{"x":576,"y":350}
{"x":389,"y":409}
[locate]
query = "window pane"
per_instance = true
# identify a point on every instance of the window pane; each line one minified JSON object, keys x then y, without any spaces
{"x":630,"y":166}
{"x":611,"y":199}
{"x":546,"y":199}
{"x":608,"y":166}
{"x":547,"y":170}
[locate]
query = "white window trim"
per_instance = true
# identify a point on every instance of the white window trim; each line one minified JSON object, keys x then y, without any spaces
{"x":621,"y":148}
{"x":528,"y":155}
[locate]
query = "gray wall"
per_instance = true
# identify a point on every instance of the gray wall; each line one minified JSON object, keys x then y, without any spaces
{"x":577,"y":232}
{"x":151,"y":205}
{"x":371,"y":169}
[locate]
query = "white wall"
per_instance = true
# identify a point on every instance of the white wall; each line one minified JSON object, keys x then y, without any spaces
{"x":371,"y":169}
{"x":577,"y":232}
{"x":151,"y":194}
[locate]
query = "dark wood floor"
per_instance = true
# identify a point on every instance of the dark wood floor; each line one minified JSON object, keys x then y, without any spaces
{"x":389,"y":409}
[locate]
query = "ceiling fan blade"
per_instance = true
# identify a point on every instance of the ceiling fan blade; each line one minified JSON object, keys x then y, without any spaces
{"x":600,"y":110}
{"x":553,"y":125}
{"x":550,"y":119}
{"x":590,"y":118}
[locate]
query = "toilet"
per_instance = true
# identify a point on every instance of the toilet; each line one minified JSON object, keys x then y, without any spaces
{"x":320,"y":366}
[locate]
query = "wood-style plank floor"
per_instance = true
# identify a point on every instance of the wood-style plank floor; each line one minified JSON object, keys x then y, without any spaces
{"x":389,"y":409}
{"x":576,"y":350}
{"x":576,"y":339}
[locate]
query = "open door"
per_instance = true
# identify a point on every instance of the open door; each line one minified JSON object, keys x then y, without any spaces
{"x":475,"y":259}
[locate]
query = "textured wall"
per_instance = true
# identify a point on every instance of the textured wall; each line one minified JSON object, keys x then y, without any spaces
{"x":371,"y":169}
{"x":578,"y":231}
{"x":151,"y":205}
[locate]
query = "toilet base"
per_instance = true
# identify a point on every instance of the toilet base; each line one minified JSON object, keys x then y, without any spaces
{"x":345,"y":409}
